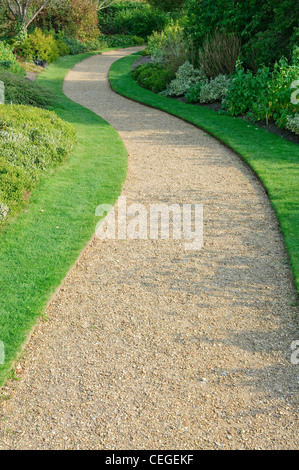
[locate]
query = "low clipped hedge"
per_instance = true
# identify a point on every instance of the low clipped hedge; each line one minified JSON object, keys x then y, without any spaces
{"x":19,"y":90}
{"x":32,"y":140}
{"x":153,"y":77}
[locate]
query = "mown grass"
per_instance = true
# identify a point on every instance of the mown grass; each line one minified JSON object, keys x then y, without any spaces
{"x":274,"y":160}
{"x":38,"y":247}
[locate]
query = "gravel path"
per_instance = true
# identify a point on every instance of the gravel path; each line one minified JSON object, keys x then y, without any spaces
{"x":150,"y":346}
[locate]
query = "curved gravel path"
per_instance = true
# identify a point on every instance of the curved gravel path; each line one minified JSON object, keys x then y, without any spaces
{"x":149,"y":346}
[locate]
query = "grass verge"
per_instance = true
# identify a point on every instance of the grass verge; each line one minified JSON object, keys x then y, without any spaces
{"x":38,"y":247}
{"x":274,"y":160}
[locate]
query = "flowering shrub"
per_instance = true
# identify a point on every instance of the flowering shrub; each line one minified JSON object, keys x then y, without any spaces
{"x":214,"y":90}
{"x":185,"y":77}
{"x":31,"y":141}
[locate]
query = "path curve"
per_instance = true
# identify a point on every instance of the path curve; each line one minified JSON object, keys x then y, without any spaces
{"x":149,"y":346}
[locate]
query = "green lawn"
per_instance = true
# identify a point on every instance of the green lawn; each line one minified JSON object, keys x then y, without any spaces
{"x":274,"y":160}
{"x":38,"y":247}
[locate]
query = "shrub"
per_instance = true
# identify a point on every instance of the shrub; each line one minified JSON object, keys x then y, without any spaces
{"x":170,"y":46}
{"x":76,"y":18}
{"x":215,"y":90}
{"x":6,"y":53}
{"x":31,"y":141}
{"x":39,"y":46}
{"x":264,"y":95}
{"x":193,"y":94}
{"x":185,"y":77}
{"x":19,"y":90}
{"x":153,"y":77}
{"x":245,"y":89}
{"x":63,"y":48}
{"x":292,"y":123}
{"x":120,"y":40}
{"x":75,"y":46}
{"x":267,"y":28}
{"x":8,"y":60}
{"x":12,"y":67}
{"x":131,"y":18}
{"x":278,"y":104}
{"x":219,"y":54}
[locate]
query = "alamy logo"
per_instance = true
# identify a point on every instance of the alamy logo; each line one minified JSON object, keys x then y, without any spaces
{"x":295,"y":94}
{"x":136,"y":222}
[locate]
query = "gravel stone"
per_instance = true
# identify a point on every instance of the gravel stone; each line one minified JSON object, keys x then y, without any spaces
{"x":146,"y":345}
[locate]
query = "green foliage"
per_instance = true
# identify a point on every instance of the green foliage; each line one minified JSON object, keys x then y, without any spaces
{"x":219,"y":54}
{"x":292,"y":123}
{"x":63,"y":48}
{"x":193,"y":94}
{"x":215,"y":90}
{"x":31,"y":141}
{"x":267,"y":28}
{"x":153,"y":77}
{"x":131,"y":18}
{"x":6,"y":53}
{"x":12,"y":67}
{"x":208,"y":91}
{"x":245,"y":89}
{"x":264,"y":95}
{"x":170,"y":46}
{"x":8,"y":60}
{"x":75,"y":18}
{"x":75,"y":46}
{"x":19,"y":90}
{"x":185,"y":77}
{"x":167,"y":5}
{"x":119,"y":40}
{"x":39,"y":46}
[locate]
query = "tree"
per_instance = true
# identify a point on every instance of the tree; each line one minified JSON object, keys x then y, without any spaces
{"x":25,"y":11}
{"x":105,"y":4}
{"x":75,"y":18}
